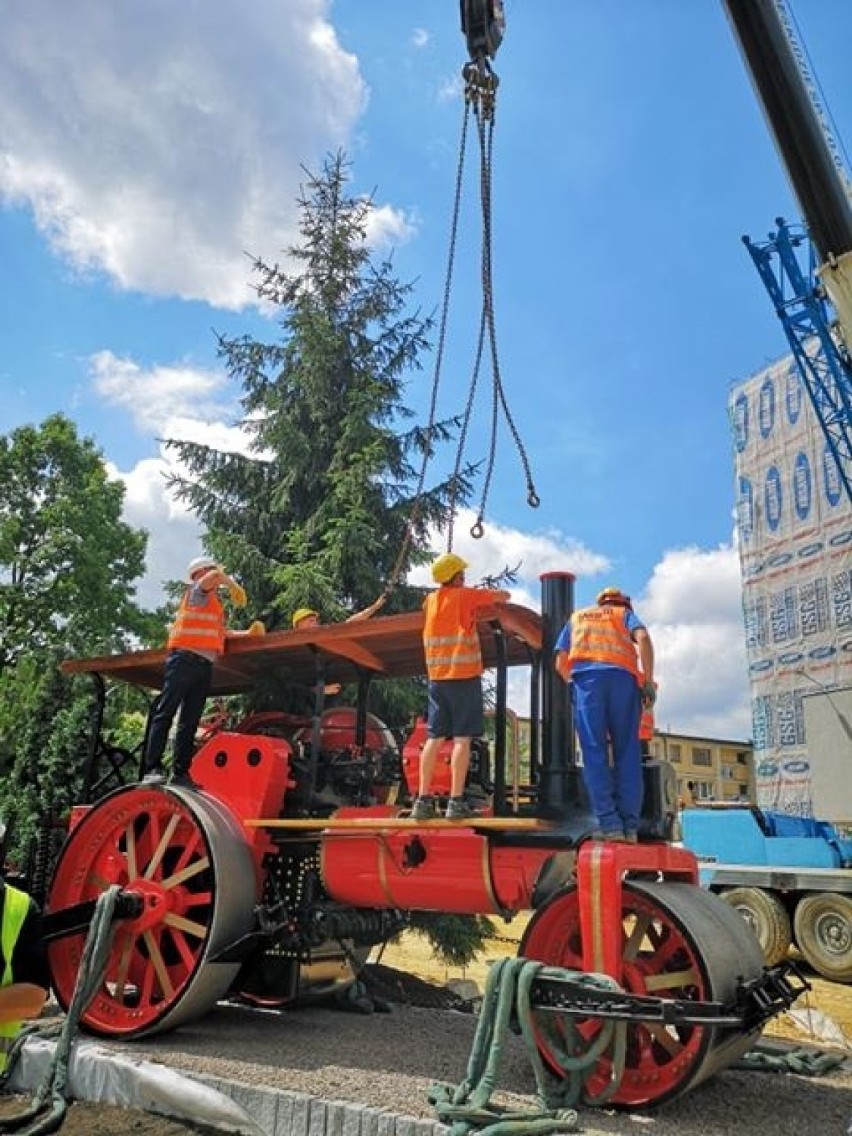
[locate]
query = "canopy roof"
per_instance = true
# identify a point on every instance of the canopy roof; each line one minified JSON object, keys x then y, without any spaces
{"x":390,"y":647}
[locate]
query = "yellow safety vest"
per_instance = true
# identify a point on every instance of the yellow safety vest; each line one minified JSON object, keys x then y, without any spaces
{"x":16,"y":906}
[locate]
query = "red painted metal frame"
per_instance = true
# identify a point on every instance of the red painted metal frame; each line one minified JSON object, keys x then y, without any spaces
{"x":601,"y":868}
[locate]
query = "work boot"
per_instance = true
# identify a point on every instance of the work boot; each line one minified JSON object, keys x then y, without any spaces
{"x":459,"y":809}
{"x":423,"y":808}
{"x":155,"y":776}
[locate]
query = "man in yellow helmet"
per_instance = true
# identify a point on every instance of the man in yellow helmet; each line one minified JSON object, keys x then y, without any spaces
{"x":597,"y":652}
{"x":304,"y":617}
{"x":454,"y":666}
{"x":307,"y":617}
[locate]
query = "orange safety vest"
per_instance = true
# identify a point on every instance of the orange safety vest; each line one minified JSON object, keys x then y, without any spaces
{"x":599,"y":635}
{"x":199,"y":627}
{"x":450,"y":637}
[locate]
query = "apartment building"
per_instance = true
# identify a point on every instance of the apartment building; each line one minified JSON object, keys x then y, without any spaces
{"x":719,"y":769}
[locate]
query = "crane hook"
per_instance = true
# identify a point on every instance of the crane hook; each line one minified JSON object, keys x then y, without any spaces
{"x":483,"y":23}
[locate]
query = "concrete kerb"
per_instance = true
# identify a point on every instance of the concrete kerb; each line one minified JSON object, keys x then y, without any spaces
{"x":99,"y":1077}
{"x":282,"y":1112}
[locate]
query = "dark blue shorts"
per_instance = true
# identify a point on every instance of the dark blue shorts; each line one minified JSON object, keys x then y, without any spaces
{"x":455,"y":708}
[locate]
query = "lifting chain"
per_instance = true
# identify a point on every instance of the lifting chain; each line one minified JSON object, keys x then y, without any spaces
{"x":428,"y":441}
{"x":480,"y":95}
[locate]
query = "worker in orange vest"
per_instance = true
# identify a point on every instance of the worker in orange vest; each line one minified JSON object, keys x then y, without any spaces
{"x":196,"y":640}
{"x":597,"y":652}
{"x":454,"y":667}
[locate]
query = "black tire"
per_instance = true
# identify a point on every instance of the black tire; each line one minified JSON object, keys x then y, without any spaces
{"x":767,"y":916}
{"x":823,"y":926}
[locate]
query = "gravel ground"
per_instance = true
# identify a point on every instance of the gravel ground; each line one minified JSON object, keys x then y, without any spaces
{"x":390,"y":1060}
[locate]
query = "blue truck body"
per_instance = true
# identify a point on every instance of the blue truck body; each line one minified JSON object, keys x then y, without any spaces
{"x":757,"y":837}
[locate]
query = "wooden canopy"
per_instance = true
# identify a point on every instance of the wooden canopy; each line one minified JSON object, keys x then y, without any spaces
{"x":390,"y":646}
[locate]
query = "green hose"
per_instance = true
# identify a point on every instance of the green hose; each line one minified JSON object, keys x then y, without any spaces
{"x":47,"y":1109}
{"x":467,"y":1106}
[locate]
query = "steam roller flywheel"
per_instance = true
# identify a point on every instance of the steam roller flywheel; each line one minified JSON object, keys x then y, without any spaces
{"x":185,"y":855}
{"x":677,"y":942}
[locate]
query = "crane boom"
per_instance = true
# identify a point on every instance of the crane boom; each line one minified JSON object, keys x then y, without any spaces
{"x":801,"y":142}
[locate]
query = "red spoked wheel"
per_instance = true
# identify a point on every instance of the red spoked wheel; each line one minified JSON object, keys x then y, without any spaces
{"x":678,"y":942}
{"x":186,"y":857}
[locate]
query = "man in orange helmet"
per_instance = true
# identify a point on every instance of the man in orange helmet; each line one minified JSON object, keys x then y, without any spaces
{"x":597,"y":652}
{"x":454,"y":666}
{"x":196,"y":640}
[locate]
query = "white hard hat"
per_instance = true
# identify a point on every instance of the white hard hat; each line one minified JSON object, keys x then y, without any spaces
{"x":199,"y":564}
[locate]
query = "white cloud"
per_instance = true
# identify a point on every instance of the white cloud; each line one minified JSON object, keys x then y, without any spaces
{"x":693,"y":608}
{"x":388,"y":227}
{"x":174,"y":535}
{"x":162,"y":396}
{"x":420,"y":37}
{"x":450,"y":89}
{"x":501,"y":547}
{"x":157,"y":143}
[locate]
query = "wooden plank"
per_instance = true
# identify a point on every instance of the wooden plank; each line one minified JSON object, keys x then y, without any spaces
{"x":504,"y":824}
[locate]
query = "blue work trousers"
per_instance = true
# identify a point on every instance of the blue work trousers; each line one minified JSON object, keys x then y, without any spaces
{"x":186,"y":684}
{"x":607,"y":707}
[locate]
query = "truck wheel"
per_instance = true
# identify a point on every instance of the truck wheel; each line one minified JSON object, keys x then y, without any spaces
{"x":823,"y":924}
{"x":767,"y":916}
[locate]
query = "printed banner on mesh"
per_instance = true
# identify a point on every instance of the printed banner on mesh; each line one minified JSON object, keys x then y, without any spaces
{"x":794,"y":522}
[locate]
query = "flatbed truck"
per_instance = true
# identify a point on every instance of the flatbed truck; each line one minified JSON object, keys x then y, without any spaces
{"x":789,"y":877}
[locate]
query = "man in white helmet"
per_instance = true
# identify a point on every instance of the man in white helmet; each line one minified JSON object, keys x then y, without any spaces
{"x":196,"y":640}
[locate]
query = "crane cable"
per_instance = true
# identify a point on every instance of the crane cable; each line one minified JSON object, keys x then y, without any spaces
{"x":481,"y":91}
{"x":417,"y":504}
{"x":480,"y":94}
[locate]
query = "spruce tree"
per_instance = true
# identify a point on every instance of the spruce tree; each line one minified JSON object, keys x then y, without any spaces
{"x":316,"y":513}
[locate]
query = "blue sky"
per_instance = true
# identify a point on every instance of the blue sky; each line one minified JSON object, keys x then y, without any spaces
{"x":145,"y":148}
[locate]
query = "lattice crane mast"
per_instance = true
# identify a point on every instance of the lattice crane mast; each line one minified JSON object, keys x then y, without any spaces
{"x":807,"y":272}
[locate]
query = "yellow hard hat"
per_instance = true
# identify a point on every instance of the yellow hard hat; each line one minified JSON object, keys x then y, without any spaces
{"x":447,"y":566}
{"x":302,"y":613}
{"x":613,"y":596}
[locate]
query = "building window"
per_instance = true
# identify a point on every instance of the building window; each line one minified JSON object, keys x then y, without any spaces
{"x":701,"y":756}
{"x":674,"y":752}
